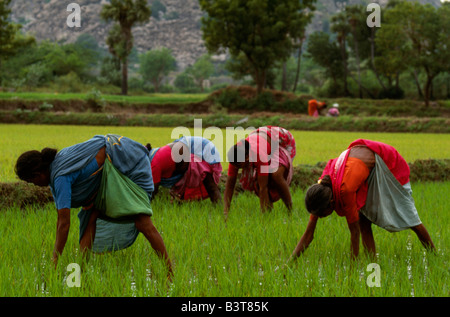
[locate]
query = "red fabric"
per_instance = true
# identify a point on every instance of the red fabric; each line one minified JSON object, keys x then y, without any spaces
{"x":259,"y":154}
{"x":283,"y":155}
{"x":162,"y":164}
{"x":336,"y":167}
{"x":190,"y":186}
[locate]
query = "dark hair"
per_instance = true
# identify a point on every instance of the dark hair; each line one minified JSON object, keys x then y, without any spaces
{"x":318,"y":196}
{"x":149,"y":147}
{"x":32,"y":162}
{"x":238,"y":152}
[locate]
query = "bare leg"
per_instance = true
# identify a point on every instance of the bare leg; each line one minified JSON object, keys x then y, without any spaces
{"x":365,"y":226}
{"x":144,"y":224}
{"x":423,"y":236}
{"x":89,"y":234}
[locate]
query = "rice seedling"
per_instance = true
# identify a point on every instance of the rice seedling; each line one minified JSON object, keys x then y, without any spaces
{"x":243,"y":257}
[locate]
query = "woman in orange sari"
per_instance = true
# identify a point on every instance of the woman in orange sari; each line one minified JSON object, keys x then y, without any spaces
{"x":368,"y":183}
{"x":314,"y":107}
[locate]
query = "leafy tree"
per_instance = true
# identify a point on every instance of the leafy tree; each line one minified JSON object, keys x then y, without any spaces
{"x":158,"y":7}
{"x":423,"y":30}
{"x":110,"y":70}
{"x":299,"y":38}
{"x":11,"y":40}
{"x":185,"y":83}
{"x":260,"y":31}
{"x":155,"y":65}
{"x":8,"y":30}
{"x":356,"y":17}
{"x":64,"y":59}
{"x":89,"y":45}
{"x":327,"y":54}
{"x":341,"y":27}
{"x":126,"y":14}
{"x":394,"y":57}
{"x":201,"y":70}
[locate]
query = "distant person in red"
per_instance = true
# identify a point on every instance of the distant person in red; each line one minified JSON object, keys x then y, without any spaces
{"x":314,"y":107}
{"x":368,"y":183}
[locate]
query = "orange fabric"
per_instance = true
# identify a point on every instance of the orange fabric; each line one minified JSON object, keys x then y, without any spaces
{"x":314,"y":106}
{"x":355,"y":175}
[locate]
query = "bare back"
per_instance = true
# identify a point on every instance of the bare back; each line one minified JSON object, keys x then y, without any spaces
{"x":364,"y":154}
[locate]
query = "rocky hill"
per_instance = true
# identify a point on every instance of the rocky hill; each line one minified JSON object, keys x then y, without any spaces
{"x":177,"y":26}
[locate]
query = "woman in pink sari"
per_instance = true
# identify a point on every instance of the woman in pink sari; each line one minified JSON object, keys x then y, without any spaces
{"x":265,"y":158}
{"x":368,"y":183}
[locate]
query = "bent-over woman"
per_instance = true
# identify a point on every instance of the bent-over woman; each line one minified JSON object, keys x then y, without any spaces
{"x":265,"y":158}
{"x":190,"y":167}
{"x":368,"y":183}
{"x":109,"y":177}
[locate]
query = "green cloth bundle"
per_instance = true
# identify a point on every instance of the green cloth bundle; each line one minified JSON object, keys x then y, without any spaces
{"x":120,"y":197}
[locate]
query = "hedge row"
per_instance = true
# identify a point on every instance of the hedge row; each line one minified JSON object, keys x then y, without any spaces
{"x":22,"y":194}
{"x":222,"y":120}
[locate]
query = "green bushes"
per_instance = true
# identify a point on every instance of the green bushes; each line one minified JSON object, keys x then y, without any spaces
{"x":246,"y":99}
{"x":220,"y":120}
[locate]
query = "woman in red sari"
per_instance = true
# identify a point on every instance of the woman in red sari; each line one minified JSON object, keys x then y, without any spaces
{"x":195,"y":172}
{"x":265,"y":158}
{"x":368,"y":183}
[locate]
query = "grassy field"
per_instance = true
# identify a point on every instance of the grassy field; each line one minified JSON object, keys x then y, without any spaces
{"x":244,"y":257}
{"x":149,"y":98}
{"x":241,"y":258}
{"x":312,"y":147}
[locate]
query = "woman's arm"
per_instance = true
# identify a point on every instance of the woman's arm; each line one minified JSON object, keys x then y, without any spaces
{"x":228,"y":194}
{"x":155,"y":191}
{"x":62,"y":232}
{"x":212,"y":189}
{"x":263,"y":192}
{"x":282,"y":187}
{"x":306,"y":239}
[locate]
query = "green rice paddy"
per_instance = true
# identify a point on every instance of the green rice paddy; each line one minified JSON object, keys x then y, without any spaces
{"x":312,"y":147}
{"x":243,"y":257}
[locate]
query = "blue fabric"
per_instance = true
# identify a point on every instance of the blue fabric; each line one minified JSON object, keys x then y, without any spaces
{"x":72,"y":160}
{"x":202,"y":148}
{"x":62,"y":191}
{"x":129,"y":157}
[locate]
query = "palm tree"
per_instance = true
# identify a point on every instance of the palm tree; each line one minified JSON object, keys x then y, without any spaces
{"x":126,"y":13}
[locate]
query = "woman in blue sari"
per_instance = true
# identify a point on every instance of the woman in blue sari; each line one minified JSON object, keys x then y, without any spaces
{"x":78,"y":177}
